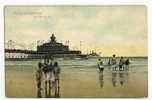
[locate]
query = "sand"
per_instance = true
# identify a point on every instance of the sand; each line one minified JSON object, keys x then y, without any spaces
{"x":80,"y":83}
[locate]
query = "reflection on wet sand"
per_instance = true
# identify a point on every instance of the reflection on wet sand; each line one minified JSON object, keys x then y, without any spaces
{"x":39,"y":94}
{"x":51,"y":92}
{"x":101,"y":79}
{"x":114,"y":81}
{"x":119,"y":77}
{"x":48,"y":93}
{"x":123,"y":77}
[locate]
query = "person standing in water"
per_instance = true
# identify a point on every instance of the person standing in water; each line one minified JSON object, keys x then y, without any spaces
{"x":121,"y":64}
{"x":113,"y":62}
{"x":127,"y":62}
{"x":101,"y":69}
{"x":100,"y":65}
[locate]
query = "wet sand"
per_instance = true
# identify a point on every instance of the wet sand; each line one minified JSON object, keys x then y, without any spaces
{"x":81,"y":83}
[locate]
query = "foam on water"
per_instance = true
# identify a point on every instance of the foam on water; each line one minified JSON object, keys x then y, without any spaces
{"x":76,"y":63}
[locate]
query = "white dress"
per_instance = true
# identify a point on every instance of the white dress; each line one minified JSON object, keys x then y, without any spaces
{"x":101,"y":66}
{"x":49,"y":76}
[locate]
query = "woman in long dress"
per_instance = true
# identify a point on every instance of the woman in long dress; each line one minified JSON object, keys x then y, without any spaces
{"x":48,"y":74}
{"x":57,"y":78}
{"x":114,"y":62}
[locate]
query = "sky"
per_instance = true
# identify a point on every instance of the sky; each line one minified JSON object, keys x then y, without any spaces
{"x":120,"y":30}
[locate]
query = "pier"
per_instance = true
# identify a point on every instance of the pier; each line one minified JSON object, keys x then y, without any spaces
{"x":51,"y":48}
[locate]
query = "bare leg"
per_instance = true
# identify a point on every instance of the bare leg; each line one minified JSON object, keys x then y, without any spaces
{"x":49,"y":84}
{"x":49,"y":94}
{"x":58,"y":87}
{"x":39,"y":94}
{"x":39,"y":85}
{"x":55,"y":87}
{"x":46,"y":88}
{"x":49,"y":87}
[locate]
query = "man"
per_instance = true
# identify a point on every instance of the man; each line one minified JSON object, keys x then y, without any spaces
{"x":121,"y":63}
{"x":113,"y":62}
{"x":127,"y":62}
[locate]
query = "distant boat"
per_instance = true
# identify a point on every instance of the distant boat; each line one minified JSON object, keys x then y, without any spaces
{"x":93,"y":55}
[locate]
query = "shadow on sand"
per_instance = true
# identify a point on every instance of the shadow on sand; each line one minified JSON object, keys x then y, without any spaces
{"x":101,"y":80}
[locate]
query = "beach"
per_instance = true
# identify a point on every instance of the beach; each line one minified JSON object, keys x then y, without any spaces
{"x":80,"y":79}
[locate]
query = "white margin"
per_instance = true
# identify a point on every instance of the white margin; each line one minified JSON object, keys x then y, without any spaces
{"x":148,"y":3}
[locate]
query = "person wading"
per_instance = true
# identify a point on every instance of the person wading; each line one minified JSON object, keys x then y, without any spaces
{"x":121,"y":64}
{"x":100,"y":65}
{"x":114,"y":62}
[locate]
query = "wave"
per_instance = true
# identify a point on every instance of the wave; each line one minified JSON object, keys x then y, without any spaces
{"x":70,"y":65}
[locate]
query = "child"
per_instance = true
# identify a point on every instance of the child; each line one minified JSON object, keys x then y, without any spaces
{"x":101,"y":68}
{"x":100,"y":65}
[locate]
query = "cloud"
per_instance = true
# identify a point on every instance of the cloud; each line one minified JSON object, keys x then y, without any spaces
{"x":76,"y":37}
{"x":104,"y":28}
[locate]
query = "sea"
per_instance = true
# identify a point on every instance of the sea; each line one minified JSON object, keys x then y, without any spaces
{"x":80,"y":78}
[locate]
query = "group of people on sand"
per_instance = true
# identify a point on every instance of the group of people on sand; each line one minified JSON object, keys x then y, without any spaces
{"x":48,"y":71}
{"x":121,"y":65}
